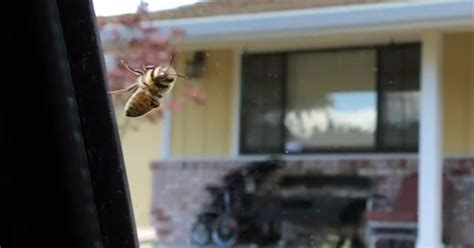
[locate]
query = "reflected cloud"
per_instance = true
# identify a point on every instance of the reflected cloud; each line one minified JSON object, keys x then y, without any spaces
{"x":305,"y":123}
{"x":402,"y":108}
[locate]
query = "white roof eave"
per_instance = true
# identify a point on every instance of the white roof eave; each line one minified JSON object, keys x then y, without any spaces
{"x":415,"y":14}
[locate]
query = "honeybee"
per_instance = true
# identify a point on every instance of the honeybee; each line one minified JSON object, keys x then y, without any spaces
{"x":152,"y":84}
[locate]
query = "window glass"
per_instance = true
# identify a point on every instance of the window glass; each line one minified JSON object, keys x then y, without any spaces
{"x":262,"y":103}
{"x":331,"y":100}
{"x":399,"y":83}
{"x":348,"y":99}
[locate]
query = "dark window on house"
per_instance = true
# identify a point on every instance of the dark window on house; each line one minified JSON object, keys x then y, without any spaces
{"x":399,"y":96}
{"x":357,"y":99}
{"x":263,"y":102}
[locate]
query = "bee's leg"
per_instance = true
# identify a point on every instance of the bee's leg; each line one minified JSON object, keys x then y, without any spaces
{"x":135,"y":71}
{"x":155,"y":103}
{"x":148,"y":67}
{"x":129,"y":88}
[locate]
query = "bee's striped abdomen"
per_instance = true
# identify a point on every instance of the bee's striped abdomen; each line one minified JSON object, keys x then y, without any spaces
{"x":140,"y":103}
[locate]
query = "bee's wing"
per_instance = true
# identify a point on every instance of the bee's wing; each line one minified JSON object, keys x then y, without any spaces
{"x":140,"y":103}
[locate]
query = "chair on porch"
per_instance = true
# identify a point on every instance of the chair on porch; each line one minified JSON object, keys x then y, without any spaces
{"x":399,"y":223}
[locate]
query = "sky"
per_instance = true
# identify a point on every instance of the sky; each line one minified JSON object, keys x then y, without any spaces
{"x":116,"y":7}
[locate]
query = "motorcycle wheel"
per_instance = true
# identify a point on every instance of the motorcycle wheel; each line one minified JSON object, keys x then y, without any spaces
{"x":200,"y":234}
{"x":225,"y":231}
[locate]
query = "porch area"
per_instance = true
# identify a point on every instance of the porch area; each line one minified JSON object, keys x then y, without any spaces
{"x":444,"y":153}
{"x":176,"y":205}
{"x":419,"y":123}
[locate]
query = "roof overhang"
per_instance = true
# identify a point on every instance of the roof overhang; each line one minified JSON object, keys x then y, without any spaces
{"x":409,"y":16}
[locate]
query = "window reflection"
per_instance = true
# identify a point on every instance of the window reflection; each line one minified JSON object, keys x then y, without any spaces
{"x":349,"y":99}
{"x":330,"y":105}
{"x":350,"y":120}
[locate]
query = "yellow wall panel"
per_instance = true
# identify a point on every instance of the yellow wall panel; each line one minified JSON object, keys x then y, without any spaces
{"x":458,"y":93}
{"x":204,"y":129}
{"x":140,"y":147}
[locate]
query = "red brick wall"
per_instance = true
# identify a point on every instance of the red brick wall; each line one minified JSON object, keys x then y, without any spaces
{"x":178,"y":190}
{"x":178,"y":193}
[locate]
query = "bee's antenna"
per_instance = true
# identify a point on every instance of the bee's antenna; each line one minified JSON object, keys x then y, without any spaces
{"x":171,"y":62}
{"x":172,"y":59}
{"x":182,"y":76}
{"x":179,"y":75}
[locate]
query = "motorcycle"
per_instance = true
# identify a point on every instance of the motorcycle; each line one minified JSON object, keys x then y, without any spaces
{"x":234,"y":215}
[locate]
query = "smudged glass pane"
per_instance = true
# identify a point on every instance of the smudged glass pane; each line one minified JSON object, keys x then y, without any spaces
{"x":331,"y":102}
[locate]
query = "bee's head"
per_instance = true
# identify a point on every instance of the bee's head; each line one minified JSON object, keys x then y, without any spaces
{"x":164,"y":73}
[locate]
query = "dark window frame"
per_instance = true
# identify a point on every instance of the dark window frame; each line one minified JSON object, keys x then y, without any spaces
{"x":65,"y":180}
{"x":377,"y":148}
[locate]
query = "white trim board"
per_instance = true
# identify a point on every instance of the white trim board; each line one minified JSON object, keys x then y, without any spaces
{"x":236,"y":84}
{"x":166,"y":130}
{"x":412,"y":15}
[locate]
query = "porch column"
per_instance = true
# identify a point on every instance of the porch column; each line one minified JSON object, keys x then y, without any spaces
{"x":430,"y":157}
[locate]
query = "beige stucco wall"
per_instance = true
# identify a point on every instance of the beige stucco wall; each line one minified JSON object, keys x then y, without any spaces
{"x":458,"y":93}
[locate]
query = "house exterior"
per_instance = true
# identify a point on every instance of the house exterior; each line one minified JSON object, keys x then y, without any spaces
{"x":377,"y":88}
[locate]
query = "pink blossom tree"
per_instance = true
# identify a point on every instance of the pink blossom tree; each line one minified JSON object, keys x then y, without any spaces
{"x":150,"y":47}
